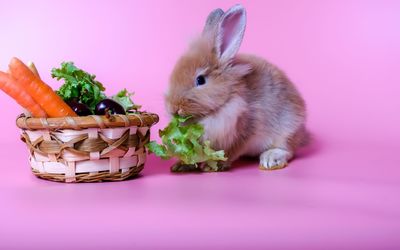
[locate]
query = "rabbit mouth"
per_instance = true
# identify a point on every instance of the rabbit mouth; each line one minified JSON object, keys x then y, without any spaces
{"x":191,"y":107}
{"x":196,"y":110}
{"x":194,"y":114}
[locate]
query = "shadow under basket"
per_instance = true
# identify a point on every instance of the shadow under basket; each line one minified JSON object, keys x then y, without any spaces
{"x":87,"y":148}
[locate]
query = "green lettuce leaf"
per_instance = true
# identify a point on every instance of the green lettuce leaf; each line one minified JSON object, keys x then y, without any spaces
{"x":183,"y":141}
{"x":159,"y":150}
{"x":124,"y":98}
{"x":78,"y":85}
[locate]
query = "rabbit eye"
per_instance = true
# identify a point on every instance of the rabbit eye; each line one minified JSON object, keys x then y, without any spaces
{"x":200,"y":80}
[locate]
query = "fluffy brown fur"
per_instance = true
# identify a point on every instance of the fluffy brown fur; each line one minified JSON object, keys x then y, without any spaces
{"x":248,"y":106}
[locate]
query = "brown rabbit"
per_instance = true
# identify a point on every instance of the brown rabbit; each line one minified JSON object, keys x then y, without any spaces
{"x":246,"y":105}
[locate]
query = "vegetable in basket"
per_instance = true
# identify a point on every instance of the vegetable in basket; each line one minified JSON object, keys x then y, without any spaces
{"x":182,"y":140}
{"x":124,"y":99}
{"x":81,"y":88}
{"x":78,"y":85}
{"x":20,"y":95}
{"x":40,"y":92}
{"x":108,"y":105}
{"x":80,"y":95}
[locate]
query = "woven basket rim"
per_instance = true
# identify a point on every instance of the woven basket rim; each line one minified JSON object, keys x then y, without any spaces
{"x":139,"y":119}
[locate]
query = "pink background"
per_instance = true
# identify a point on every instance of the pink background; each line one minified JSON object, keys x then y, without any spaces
{"x":342,"y":192}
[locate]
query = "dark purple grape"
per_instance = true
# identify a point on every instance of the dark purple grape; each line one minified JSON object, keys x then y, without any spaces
{"x":109,"y":105}
{"x":79,"y":108}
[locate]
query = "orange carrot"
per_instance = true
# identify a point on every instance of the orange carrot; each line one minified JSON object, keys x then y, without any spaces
{"x":43,"y":94}
{"x":33,"y":68}
{"x":15,"y":91}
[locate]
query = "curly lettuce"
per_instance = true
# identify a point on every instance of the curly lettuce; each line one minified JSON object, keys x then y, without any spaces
{"x":124,"y":98}
{"x":78,"y":85}
{"x":183,"y":141}
{"x":83,"y":87}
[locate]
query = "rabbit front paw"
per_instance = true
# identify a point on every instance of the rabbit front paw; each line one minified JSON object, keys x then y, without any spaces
{"x":275,"y":158}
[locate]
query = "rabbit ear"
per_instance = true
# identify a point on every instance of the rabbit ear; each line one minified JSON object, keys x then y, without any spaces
{"x":212,"y":20}
{"x":230,"y":32}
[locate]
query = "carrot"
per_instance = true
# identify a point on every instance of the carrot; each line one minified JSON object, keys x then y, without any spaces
{"x":33,"y":68}
{"x":15,"y":91}
{"x":42,"y":93}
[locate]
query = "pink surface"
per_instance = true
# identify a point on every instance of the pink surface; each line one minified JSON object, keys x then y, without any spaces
{"x":342,"y":192}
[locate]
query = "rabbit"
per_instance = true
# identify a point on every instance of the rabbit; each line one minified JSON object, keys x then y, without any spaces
{"x":248,"y":106}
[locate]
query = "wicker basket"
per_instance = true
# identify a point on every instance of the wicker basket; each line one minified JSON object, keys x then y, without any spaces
{"x":88,"y":148}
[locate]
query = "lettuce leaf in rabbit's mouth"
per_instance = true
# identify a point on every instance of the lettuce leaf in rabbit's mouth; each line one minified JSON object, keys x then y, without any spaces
{"x":183,"y":141}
